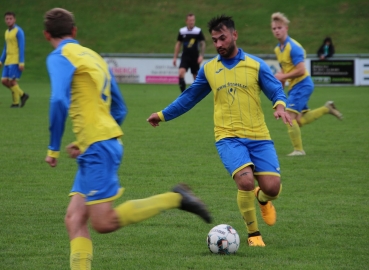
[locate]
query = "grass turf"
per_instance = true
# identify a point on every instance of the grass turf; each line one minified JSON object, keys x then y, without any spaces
{"x":322,"y":211}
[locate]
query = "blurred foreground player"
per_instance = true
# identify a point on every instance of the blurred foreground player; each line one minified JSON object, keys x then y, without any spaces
{"x":83,"y":86}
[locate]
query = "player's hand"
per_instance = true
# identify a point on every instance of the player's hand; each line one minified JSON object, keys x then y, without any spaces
{"x":281,"y":113}
{"x":73,"y":150}
{"x":154,"y":119}
{"x":1,"y":64}
{"x":280,"y":77}
{"x":21,"y":67}
{"x":175,"y":61}
{"x":200,"y":59}
{"x":52,"y":161}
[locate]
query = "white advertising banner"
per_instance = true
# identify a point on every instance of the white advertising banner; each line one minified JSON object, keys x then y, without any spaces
{"x":363,"y":74}
{"x":154,"y":70}
{"x":146,"y":70}
{"x":161,"y":70}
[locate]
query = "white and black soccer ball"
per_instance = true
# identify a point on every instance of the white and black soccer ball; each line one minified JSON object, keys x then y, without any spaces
{"x":223,"y":239}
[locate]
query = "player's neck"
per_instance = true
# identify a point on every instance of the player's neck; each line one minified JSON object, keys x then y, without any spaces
{"x":11,"y":27}
{"x":55,"y":42}
{"x":282,"y":40}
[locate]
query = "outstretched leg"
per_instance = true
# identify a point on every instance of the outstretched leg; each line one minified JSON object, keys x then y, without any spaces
{"x":105,"y":219}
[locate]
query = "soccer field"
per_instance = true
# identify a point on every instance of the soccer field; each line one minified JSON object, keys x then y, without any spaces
{"x":322,"y":212}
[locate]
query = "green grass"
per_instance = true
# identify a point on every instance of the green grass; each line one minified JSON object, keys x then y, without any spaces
{"x":151,"y":26}
{"x":322,"y":211}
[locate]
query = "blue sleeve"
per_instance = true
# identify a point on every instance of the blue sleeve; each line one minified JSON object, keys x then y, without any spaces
{"x":118,"y":108}
{"x":21,"y":44}
{"x":61,"y":75}
{"x":270,"y":86}
{"x":297,"y":55}
{"x":189,"y":98}
{"x":3,"y":55}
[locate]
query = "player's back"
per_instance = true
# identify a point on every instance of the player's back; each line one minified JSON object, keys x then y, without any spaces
{"x":90,"y":96}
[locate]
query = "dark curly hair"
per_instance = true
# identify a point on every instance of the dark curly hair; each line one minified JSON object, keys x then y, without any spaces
{"x":218,"y":22}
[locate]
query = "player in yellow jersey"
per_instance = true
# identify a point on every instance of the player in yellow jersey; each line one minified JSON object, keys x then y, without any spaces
{"x":291,"y":56}
{"x":83,"y":86}
{"x":242,"y":137}
{"x":13,"y":60}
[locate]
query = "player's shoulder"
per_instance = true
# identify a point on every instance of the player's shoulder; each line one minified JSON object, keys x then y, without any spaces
{"x":19,"y":29}
{"x":256,"y":61}
{"x":294,"y":43}
{"x":252,"y":58}
{"x":185,"y":31}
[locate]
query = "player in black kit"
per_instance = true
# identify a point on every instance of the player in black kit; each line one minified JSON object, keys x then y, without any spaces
{"x":193,"y":41}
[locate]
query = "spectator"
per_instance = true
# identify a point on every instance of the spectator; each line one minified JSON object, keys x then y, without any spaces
{"x":326,"y":50}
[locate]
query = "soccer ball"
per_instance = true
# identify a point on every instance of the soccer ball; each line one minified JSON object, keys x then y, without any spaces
{"x":223,"y":239}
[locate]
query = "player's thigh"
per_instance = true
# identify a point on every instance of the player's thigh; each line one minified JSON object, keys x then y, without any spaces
{"x":298,"y":97}
{"x":102,"y":214}
{"x":13,"y":72}
{"x":185,"y":63}
{"x":5,"y":75}
{"x":194,"y":66}
{"x":264,"y":157}
{"x":267,"y":170}
{"x":97,"y":176}
{"x":77,"y":210}
{"x":234,"y":155}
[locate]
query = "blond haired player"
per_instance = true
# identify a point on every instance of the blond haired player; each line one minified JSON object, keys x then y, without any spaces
{"x":291,"y":57}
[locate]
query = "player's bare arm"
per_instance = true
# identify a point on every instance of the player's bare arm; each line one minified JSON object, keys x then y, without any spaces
{"x":177,"y":47}
{"x":297,"y":72}
{"x":202,"y":51}
{"x":154,"y":120}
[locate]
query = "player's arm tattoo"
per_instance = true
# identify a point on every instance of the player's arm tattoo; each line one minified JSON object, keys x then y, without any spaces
{"x":202,"y":47}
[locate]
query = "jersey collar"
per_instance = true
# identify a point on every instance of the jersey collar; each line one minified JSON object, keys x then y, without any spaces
{"x":65,"y":41}
{"x":240,"y":56}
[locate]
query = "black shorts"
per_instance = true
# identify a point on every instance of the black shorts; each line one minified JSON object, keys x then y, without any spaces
{"x":190,"y":62}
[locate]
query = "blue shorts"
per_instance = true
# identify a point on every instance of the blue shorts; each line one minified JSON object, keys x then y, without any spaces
{"x":97,"y":175}
{"x":11,"y":72}
{"x":299,"y":95}
{"x":238,"y":153}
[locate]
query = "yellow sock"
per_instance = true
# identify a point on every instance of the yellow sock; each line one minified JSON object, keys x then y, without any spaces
{"x":246,"y":204}
{"x":80,"y":253}
{"x":262,"y":197}
{"x":313,"y":115}
{"x":295,"y":135}
{"x":17,"y":93}
{"x":138,"y":210}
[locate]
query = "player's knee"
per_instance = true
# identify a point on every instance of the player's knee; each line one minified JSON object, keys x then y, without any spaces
{"x":72,"y":219}
{"x":245,"y":180}
{"x":273,"y":189}
{"x":5,"y":83}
